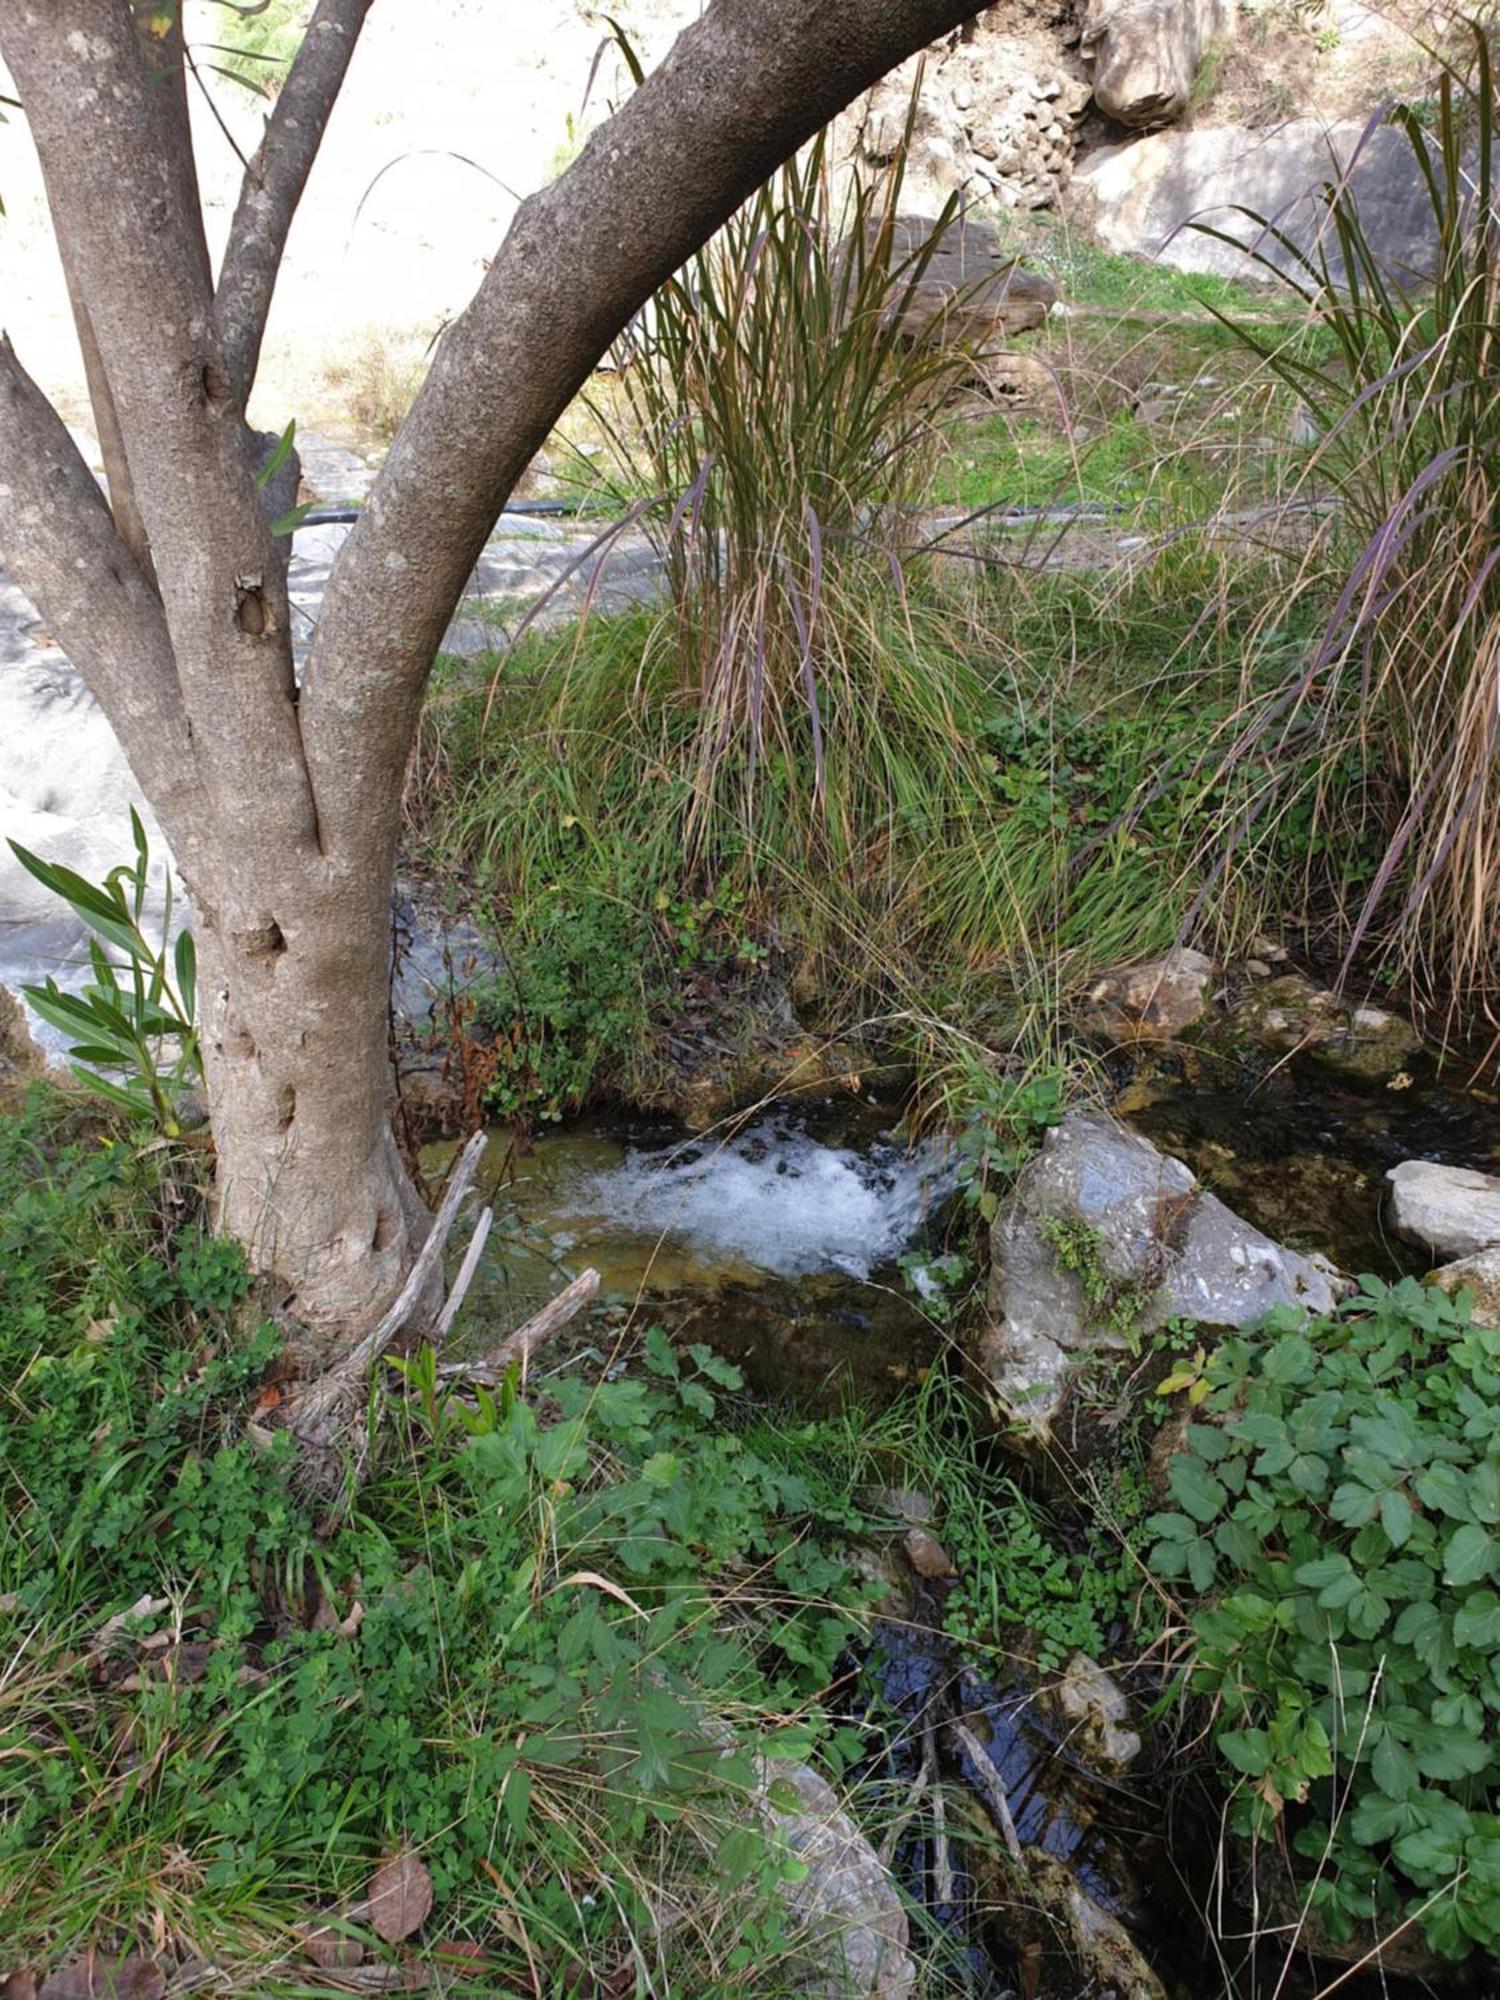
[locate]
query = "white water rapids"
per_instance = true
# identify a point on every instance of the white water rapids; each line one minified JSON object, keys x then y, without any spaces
{"x":773,"y":1197}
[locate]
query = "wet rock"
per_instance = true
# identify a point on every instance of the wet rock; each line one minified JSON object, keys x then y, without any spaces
{"x":1292,"y":1015}
{"x":1146,"y":53}
{"x":1103,"y":1240}
{"x":847,"y":1905}
{"x":1092,"y":1699}
{"x":1100,"y":1943}
{"x":1454,"y":1211}
{"x":927,"y":1556}
{"x":1150,"y":1002}
{"x":1479,"y":1274}
{"x":438,"y":959}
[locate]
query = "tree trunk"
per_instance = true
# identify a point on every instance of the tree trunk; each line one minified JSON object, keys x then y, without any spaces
{"x":281,"y":801}
{"x":293,"y":1009}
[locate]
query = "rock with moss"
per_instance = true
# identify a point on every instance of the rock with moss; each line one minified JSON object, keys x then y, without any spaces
{"x":1293,"y":1015}
{"x":1103,"y":1241}
{"x":1094,"y":1710}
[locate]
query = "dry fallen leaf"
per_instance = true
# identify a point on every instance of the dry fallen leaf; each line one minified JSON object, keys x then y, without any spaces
{"x":19,"y":1986}
{"x":330,"y":1948}
{"x":94,"y":1978}
{"x":109,"y":1631}
{"x":399,"y":1897}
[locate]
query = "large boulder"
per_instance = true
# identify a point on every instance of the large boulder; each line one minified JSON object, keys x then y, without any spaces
{"x":1146,"y":54}
{"x":1103,"y":1240}
{"x":1454,"y":1211}
{"x":1138,"y":197}
{"x":971,"y":291}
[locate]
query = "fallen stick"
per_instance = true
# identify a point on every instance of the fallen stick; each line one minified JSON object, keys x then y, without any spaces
{"x":333,"y":1391}
{"x":925,"y":1775}
{"x":942,"y":1865}
{"x":464,"y":1279}
{"x":991,"y":1784}
{"x":487,"y":1369}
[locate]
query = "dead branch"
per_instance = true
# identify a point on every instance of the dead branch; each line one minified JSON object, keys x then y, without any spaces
{"x":459,"y":1288}
{"x":553,"y":1317}
{"x":317,"y":1414}
{"x":991,"y":1784}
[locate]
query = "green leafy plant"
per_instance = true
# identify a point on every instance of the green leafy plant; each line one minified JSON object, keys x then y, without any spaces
{"x":1338,"y":1509}
{"x":137,"y":1044}
{"x":1116,"y":1304}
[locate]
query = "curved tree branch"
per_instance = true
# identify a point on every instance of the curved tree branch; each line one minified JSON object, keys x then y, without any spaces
{"x":130,"y":227}
{"x":274,"y":182}
{"x":739,"y":91}
{"x":60,"y":544}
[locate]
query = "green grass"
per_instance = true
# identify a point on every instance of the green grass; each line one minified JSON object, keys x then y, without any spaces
{"x":255,"y":46}
{"x":532,"y":1649}
{"x":1026,"y":800}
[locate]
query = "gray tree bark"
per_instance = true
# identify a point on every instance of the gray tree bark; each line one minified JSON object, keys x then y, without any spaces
{"x":283,"y":809}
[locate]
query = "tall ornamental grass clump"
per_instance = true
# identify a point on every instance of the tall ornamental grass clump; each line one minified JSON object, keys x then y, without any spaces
{"x":1405,"y":677}
{"x":782,"y":397}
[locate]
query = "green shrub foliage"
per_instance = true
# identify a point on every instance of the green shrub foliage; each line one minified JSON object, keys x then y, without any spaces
{"x":1339,"y":1512}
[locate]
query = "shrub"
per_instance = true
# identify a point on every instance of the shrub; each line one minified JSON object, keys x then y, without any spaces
{"x":1408,"y":664}
{"x":1340,"y":1510}
{"x":780,"y":399}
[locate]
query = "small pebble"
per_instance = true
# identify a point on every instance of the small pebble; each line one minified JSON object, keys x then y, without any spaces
{"x":927,"y":1555}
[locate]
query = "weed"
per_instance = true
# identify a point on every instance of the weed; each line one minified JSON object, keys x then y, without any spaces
{"x":1405,"y":671}
{"x":138,"y":1044}
{"x":1117,"y":1306}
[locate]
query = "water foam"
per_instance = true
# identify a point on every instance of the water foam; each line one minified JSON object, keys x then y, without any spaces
{"x":775,"y":1198}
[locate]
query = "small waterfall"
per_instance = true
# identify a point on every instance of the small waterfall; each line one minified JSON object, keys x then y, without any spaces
{"x":774,"y":1197}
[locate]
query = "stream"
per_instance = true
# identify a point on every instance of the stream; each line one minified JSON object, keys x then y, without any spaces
{"x":779,"y":1241}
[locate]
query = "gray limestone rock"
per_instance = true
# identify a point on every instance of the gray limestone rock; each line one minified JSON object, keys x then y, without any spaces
{"x":1138,"y":197}
{"x":1454,"y":1211}
{"x":1154,"y":1246}
{"x":853,"y":1921}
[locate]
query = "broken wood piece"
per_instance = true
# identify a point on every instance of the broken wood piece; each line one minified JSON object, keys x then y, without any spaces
{"x":487,"y":1369}
{"x":990,"y":1783}
{"x":335,"y":1390}
{"x":465,"y":1278}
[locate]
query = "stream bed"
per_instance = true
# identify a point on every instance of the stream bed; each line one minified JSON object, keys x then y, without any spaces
{"x":781,"y":1241}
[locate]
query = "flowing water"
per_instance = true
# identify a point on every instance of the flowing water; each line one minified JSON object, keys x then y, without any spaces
{"x":794,"y":1243}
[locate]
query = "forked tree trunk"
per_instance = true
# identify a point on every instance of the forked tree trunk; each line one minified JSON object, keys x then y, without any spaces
{"x":282,"y":803}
